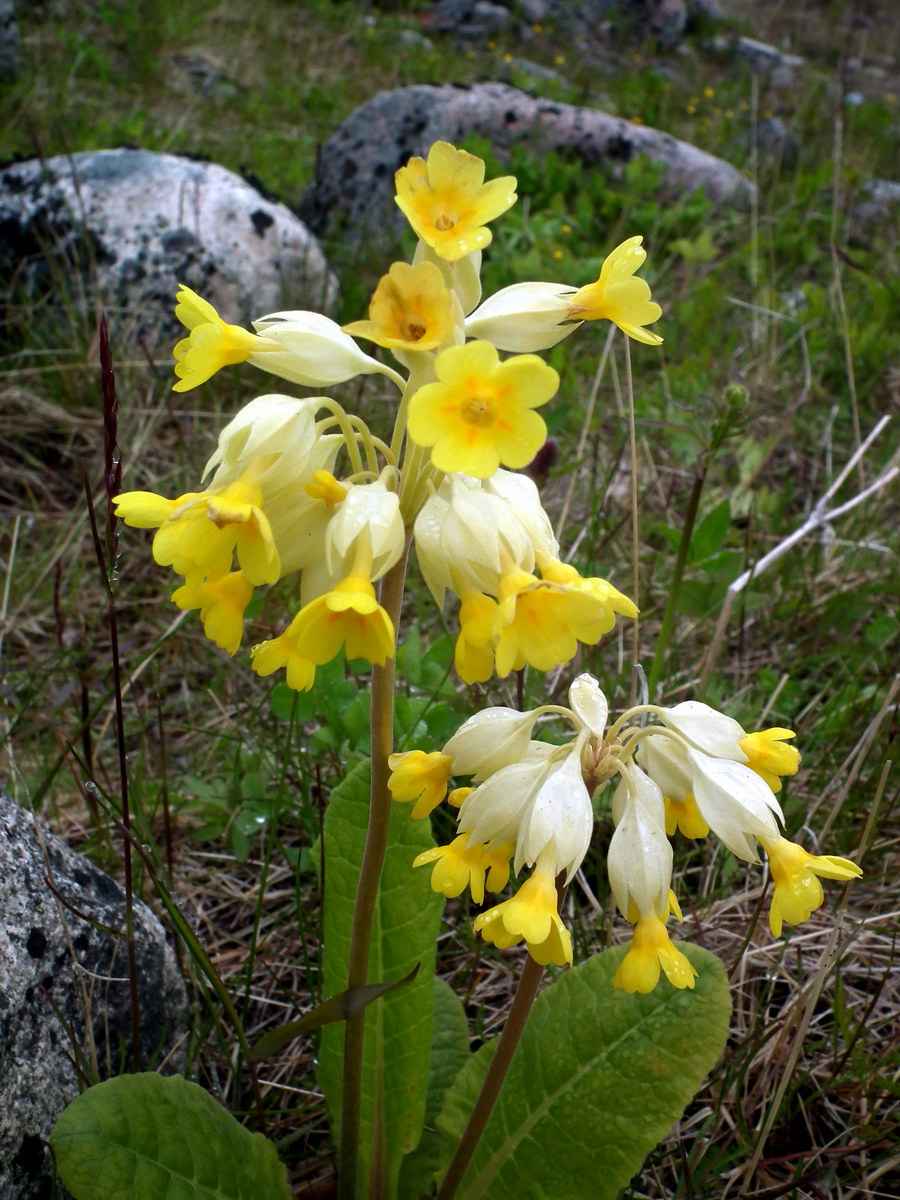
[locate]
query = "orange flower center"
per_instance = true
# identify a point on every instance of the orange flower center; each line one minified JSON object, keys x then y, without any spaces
{"x":478,"y":411}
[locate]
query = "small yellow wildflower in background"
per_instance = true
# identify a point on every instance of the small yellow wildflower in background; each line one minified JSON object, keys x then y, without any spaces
{"x":480,"y":412}
{"x":447,"y":202}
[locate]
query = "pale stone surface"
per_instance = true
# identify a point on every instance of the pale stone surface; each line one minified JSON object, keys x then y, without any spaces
{"x":355,"y":179}
{"x":127,"y":226}
{"x":55,"y":968}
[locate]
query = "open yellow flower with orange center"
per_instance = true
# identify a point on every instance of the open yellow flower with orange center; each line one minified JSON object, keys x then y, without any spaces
{"x":618,"y":296}
{"x":480,"y":413}
{"x":447,"y":202}
{"x":412,"y":309}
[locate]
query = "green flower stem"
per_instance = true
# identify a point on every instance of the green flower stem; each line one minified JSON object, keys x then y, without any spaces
{"x":687,"y":532}
{"x":367,"y":893}
{"x":529,"y":983}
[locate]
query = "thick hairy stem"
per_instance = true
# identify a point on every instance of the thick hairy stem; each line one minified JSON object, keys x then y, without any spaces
{"x":367,"y":891}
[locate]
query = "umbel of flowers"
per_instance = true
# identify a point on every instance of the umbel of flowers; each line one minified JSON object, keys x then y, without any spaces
{"x":300,"y":486}
{"x":530,"y":805}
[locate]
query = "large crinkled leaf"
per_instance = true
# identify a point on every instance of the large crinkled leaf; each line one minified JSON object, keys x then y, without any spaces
{"x":599,"y":1078}
{"x":449,"y":1054}
{"x":404,"y":933}
{"x":149,"y":1137}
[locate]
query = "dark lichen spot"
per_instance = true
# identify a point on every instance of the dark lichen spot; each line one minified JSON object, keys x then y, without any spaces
{"x":261,"y":221}
{"x":177,"y":241}
{"x":37,"y":943}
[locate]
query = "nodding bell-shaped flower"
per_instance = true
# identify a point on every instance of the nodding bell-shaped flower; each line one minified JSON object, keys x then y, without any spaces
{"x":523,"y":318}
{"x":639,"y":860}
{"x":311,"y":349}
{"x":798,"y":892}
{"x":726,"y":795}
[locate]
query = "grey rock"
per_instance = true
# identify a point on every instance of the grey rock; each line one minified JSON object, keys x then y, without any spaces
{"x":780,"y":68}
{"x":474,"y":20}
{"x":875,"y":213}
{"x":63,"y":983}
{"x":777,"y":145}
{"x":9,"y":42}
{"x":355,"y":181}
{"x":123,"y":228}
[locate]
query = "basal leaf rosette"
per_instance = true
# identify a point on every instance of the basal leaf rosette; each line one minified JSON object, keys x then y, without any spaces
{"x":480,"y":412}
{"x":447,"y":202}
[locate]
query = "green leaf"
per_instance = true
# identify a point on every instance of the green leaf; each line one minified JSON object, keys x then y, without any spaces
{"x":599,"y":1078}
{"x":449,"y":1054}
{"x":711,"y":532}
{"x":149,"y":1137}
{"x":399,"y":1026}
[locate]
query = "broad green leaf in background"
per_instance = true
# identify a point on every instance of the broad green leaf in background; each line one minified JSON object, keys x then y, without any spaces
{"x":150,"y":1137}
{"x":404,"y":933}
{"x":449,"y":1054}
{"x":600,"y":1077}
{"x":710,"y":534}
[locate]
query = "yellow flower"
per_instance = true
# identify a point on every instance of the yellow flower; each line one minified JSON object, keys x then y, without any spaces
{"x":222,"y":602}
{"x":271,"y":656}
{"x":411,"y":309}
{"x":684,"y":815}
{"x":531,"y":915}
{"x":447,"y":202}
{"x":610,"y":601}
{"x":651,"y":951}
{"x":348,"y":617}
{"x":768,"y":757}
{"x":421,"y":777}
{"x":540,"y":623}
{"x":457,"y":867}
{"x":618,"y":296}
{"x":474,"y":653}
{"x":798,"y":892}
{"x":211,"y":344}
{"x":201,"y":531}
{"x":480,"y":412}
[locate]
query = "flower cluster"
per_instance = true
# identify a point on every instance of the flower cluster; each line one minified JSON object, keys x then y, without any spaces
{"x":530,"y":805}
{"x":302,"y":486}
